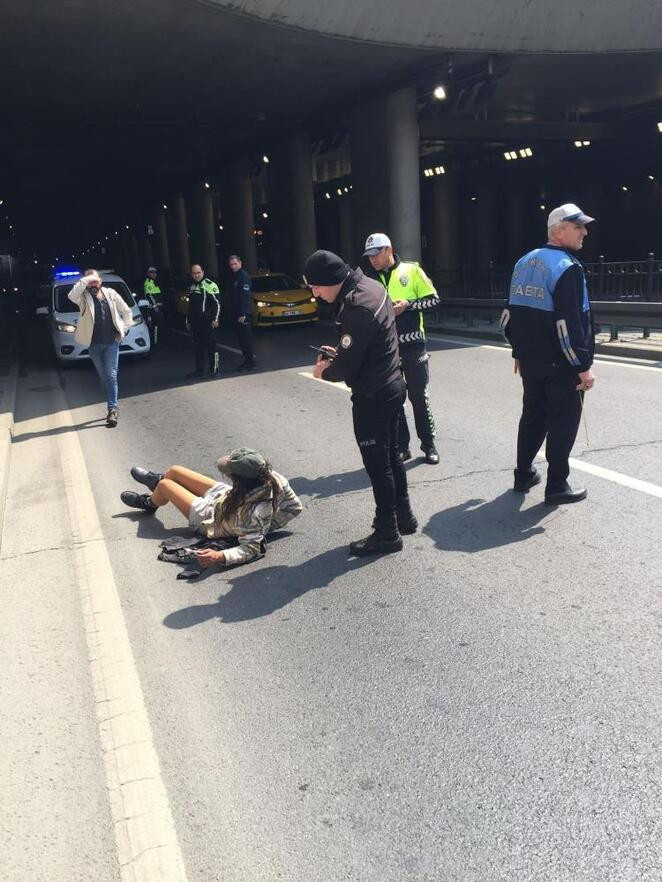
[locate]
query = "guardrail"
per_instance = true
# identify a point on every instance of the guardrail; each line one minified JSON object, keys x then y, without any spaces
{"x":624,"y":281}
{"x":614,"y":314}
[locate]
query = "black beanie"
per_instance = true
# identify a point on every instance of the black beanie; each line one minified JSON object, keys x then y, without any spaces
{"x":325,"y":268}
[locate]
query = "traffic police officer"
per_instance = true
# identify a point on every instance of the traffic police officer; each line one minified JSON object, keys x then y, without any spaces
{"x":548,"y":323}
{"x":412,"y":294}
{"x":242,"y":307}
{"x":151,"y":288}
{"x":367,"y":360}
{"x":204,"y":310}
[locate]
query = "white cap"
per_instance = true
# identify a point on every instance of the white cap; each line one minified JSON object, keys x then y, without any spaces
{"x":568,"y":212}
{"x":375,"y":242}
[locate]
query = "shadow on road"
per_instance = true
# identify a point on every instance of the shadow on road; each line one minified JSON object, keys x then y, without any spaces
{"x":477,"y":524}
{"x":257,"y":593}
{"x":330,"y":485}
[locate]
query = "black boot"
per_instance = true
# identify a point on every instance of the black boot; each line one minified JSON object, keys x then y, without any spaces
{"x":525,"y":481}
{"x":143,"y":476}
{"x":138,"y":500}
{"x":376,"y":543}
{"x":407,"y":523}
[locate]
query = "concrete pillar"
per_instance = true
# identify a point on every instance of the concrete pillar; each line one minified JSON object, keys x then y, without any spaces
{"x":238,"y":216}
{"x":402,"y":147}
{"x":291,"y":203}
{"x":161,"y":239}
{"x":445,"y":223}
{"x":515,"y":225}
{"x":203,"y":244}
{"x":384,"y":138}
{"x":180,"y":254}
{"x":146,"y":253}
{"x":137,"y":270}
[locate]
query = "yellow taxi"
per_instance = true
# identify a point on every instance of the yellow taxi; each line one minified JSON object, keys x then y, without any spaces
{"x":279,"y":300}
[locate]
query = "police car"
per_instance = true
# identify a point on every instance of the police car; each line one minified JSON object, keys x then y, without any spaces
{"x":63,"y":316}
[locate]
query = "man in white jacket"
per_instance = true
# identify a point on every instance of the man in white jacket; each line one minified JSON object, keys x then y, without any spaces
{"x":104,"y":321}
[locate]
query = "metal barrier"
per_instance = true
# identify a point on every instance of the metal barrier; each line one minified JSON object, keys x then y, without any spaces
{"x":625,"y":281}
{"x":615,"y":314}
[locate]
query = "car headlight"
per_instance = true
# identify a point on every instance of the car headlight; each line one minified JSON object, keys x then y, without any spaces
{"x":66,"y":327}
{"x":138,"y":320}
{"x":313,"y":299}
{"x":260,"y":304}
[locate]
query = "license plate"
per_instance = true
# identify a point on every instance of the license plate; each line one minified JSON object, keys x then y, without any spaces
{"x":292,"y":312}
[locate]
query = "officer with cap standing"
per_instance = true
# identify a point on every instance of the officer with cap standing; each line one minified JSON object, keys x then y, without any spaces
{"x":204,"y":310}
{"x":151,"y":288}
{"x":367,"y":360}
{"x":549,"y":326}
{"x":412,"y":294}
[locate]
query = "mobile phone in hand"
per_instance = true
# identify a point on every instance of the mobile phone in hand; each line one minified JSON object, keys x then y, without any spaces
{"x":324,"y":352}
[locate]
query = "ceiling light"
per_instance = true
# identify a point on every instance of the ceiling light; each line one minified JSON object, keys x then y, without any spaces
{"x":659,"y":127}
{"x":327,"y":195}
{"x":474,"y":198}
{"x":220,"y":226}
{"x":506,"y":155}
{"x":206,"y":185}
{"x":439,"y":170}
{"x":339,"y":191}
{"x":265,"y":214}
{"x":651,"y":178}
{"x":586,"y":143}
{"x":624,"y":188}
{"x":542,"y":207}
{"x":440,"y":93}
{"x":578,"y":143}
{"x":165,"y":206}
{"x":265,"y":159}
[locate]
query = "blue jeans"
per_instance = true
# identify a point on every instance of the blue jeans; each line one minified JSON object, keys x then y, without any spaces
{"x":104,"y":358}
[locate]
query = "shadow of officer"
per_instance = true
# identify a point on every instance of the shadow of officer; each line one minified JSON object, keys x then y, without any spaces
{"x":477,"y":524}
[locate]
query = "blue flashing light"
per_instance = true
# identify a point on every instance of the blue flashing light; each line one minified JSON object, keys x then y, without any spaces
{"x":64,"y":274}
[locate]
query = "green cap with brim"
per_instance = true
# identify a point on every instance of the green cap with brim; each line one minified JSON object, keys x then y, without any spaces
{"x":244,"y":462}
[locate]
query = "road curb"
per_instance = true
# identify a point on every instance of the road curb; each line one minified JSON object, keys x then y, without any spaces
{"x":8,"y":400}
{"x":622,"y":350}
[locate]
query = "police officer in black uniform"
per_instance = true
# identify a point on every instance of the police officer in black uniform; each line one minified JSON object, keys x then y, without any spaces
{"x":367,"y":359}
{"x":548,"y":323}
{"x":204,"y":312}
{"x":241,"y":295}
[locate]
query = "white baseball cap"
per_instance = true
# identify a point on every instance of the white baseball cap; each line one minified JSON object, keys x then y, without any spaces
{"x":568,"y":212}
{"x":375,"y":242}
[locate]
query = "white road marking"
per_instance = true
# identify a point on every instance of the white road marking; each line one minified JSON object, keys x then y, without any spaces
{"x":617,"y":477}
{"x":580,"y":465}
{"x":147,"y":845}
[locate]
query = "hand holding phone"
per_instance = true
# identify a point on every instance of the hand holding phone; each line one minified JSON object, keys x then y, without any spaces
{"x":327,"y":351}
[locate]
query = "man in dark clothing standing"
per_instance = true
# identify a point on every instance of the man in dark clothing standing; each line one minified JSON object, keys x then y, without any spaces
{"x":367,"y":360}
{"x":204,"y":310}
{"x":241,"y":295}
{"x":548,"y":324}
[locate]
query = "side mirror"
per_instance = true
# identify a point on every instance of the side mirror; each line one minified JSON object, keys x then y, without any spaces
{"x":142,"y":302}
{"x":42,"y":310}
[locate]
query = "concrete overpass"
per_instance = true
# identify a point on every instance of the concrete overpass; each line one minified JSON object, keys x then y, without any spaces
{"x":113,"y":112}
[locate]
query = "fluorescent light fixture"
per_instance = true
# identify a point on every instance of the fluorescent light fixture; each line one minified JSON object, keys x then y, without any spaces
{"x":659,"y":127}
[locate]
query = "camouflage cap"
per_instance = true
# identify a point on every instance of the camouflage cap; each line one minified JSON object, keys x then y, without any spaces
{"x":244,"y":462}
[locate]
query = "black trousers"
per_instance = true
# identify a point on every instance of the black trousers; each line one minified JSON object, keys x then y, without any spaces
{"x":204,"y":346}
{"x":414,"y":361}
{"x":245,"y":338}
{"x":376,"y":431}
{"x":552,"y":408}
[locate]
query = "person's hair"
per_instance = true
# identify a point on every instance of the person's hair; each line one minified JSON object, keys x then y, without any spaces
{"x":90,"y":272}
{"x":234,"y":257}
{"x":241,"y":487}
{"x":198,"y":264}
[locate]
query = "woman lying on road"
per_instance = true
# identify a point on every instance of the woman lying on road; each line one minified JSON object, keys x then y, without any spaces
{"x":257,"y":502}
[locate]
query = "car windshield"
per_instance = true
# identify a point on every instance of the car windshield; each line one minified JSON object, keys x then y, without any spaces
{"x":63,"y":304}
{"x":262,"y":284}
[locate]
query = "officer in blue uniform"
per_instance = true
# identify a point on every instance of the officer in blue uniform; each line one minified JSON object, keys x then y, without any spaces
{"x":549,"y":326}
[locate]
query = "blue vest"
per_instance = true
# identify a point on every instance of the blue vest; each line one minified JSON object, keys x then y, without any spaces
{"x":535,"y":277}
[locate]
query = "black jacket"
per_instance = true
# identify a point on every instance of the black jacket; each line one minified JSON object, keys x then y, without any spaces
{"x":241,"y":295}
{"x":367,"y":357}
{"x":204,"y":304}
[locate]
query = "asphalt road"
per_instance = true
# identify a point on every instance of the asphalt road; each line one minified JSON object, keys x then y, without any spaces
{"x":484,"y":706}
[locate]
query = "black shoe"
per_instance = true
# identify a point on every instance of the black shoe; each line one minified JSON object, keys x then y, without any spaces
{"x":407,"y":523}
{"x":431,"y":455}
{"x":111,"y":419}
{"x":567,"y":494}
{"x":404,"y":455}
{"x":143,"y":476}
{"x":138,"y":500}
{"x":523,"y":483}
{"x":376,"y":543}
